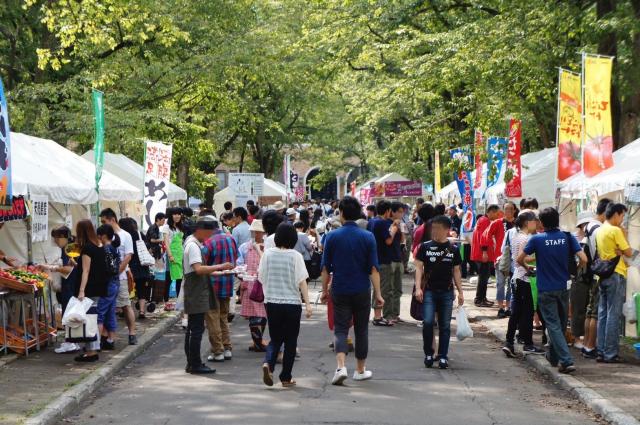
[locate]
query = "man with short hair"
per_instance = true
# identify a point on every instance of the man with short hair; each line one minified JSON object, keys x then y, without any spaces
{"x":125,"y":250}
{"x":586,"y":286}
{"x":291,"y":215}
{"x":228,"y":206}
{"x":437,"y":270}
{"x":198,"y":293}
{"x":456,"y":221}
{"x":612,"y":245}
{"x":371,"y":212}
{"x":553,"y":250}
{"x":188,"y":223}
{"x":414,"y":214}
{"x":220,"y":248}
{"x":484,"y":255}
{"x":493,"y":237}
{"x":380,"y":227}
{"x":240,"y":232}
{"x":395,"y":240}
{"x":349,"y":261}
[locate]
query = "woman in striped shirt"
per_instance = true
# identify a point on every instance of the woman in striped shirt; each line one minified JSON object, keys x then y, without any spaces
{"x":283,"y":275}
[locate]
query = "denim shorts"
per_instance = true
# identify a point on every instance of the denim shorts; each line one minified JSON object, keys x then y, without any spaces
{"x":107,"y":306}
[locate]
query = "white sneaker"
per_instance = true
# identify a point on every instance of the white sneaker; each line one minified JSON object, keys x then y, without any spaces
{"x":578,"y":345}
{"x":367,"y":374}
{"x":67,"y":347}
{"x":185,"y":323}
{"x":215,"y":358}
{"x":420,"y":324}
{"x":228,"y":355}
{"x":340,"y":376}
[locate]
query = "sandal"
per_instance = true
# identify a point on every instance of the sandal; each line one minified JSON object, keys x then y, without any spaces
{"x":267,"y":376}
{"x":289,"y":384}
{"x":381,"y":322}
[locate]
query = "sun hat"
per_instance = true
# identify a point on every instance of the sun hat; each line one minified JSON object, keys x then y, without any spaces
{"x":291,"y":211}
{"x":278,"y":206}
{"x":584,"y":217}
{"x":256,"y":226}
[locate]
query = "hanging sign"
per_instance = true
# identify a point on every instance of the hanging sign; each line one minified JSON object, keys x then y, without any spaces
{"x":157,"y":174}
{"x":496,"y":147}
{"x":247,"y":183}
{"x":478,"y":146}
{"x":569,"y":124}
{"x":5,"y":152}
{"x":513,"y":173}
{"x":465,"y":187}
{"x":17,"y":211}
{"x":39,"y":218}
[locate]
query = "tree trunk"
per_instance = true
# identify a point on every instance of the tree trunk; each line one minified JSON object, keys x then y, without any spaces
{"x":208,"y":198}
{"x":183,"y":175}
{"x":630,"y":108}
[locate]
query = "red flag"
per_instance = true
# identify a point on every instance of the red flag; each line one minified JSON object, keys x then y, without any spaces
{"x":479,"y":145}
{"x":353,"y":188}
{"x":513,"y":174}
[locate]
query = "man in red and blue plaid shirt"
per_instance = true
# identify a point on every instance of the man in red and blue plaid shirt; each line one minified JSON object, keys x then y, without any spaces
{"x":220,"y":248}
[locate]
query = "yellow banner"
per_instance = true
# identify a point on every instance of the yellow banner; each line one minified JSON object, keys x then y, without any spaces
{"x":436,"y":184}
{"x":598,"y":146}
{"x":569,"y":125}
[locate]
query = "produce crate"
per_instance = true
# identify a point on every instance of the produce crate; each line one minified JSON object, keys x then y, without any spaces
{"x":16,"y":285}
{"x":16,"y":341}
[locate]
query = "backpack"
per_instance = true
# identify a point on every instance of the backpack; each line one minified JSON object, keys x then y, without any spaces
{"x":587,"y":248}
{"x":111,"y":261}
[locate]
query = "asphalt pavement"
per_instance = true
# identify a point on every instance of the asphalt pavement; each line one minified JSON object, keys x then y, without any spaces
{"x":481,"y":387}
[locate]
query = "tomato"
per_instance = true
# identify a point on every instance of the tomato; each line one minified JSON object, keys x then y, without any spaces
{"x":467,"y":221}
{"x":568,"y":160}
{"x":598,"y":155}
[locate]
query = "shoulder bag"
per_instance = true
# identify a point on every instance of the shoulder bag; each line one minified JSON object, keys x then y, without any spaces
{"x":146,"y":259}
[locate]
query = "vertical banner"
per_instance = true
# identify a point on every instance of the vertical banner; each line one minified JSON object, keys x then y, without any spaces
{"x":478,"y":146}
{"x":513,"y":173}
{"x":353,"y":188}
{"x":39,"y":218}
{"x":286,"y":175}
{"x":569,"y":132}
{"x":462,"y":158}
{"x":6,"y":188}
{"x":436,"y":176}
{"x":496,"y":147}
{"x":98,"y":147}
{"x":597,"y":154}
{"x":157,"y":174}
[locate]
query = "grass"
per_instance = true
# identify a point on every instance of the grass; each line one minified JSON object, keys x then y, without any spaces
{"x":76,"y":381}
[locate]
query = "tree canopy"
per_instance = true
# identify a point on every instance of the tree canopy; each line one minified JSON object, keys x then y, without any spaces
{"x":383,"y":83}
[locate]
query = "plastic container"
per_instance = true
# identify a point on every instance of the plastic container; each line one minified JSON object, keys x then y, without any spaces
{"x":637,"y":347}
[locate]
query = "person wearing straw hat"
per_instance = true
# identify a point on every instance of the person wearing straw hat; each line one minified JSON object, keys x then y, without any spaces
{"x":249,"y":254}
{"x":279,"y":207}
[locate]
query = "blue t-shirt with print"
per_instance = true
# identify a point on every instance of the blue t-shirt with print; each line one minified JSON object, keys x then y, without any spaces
{"x":551,"y":249}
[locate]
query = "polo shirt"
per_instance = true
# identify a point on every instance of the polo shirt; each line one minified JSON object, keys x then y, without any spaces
{"x":552,"y":258}
{"x":380,"y":230}
{"x":350,"y":254}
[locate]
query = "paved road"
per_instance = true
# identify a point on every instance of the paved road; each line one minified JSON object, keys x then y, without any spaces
{"x":482,"y":387}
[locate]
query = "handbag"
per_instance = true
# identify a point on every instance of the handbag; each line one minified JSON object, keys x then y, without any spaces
{"x":604,"y":268}
{"x":504,"y":265}
{"x":417,"y":309}
{"x":145,"y":257}
{"x":87,"y":332}
{"x":257,"y":294}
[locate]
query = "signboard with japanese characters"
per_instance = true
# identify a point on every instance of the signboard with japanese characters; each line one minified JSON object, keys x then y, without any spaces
{"x":39,"y":218}
{"x":157,"y":174}
{"x":247,"y":183}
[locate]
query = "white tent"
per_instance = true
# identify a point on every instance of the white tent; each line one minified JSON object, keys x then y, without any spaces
{"x":43,"y":167}
{"x":538,"y":174}
{"x":391,"y":177}
{"x":270,"y":188}
{"x":132,"y":172}
{"x":624,"y":170}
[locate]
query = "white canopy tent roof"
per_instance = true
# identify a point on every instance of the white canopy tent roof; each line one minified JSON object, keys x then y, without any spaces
{"x":538,"y":175}
{"x":624,"y":170}
{"x":271,"y":188}
{"x":391,"y":177}
{"x":43,"y":167}
{"x":132,"y":172}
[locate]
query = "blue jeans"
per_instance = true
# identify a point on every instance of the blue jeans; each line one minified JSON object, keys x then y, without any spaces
{"x":107,"y":306}
{"x":612,"y":294}
{"x":442,"y":302}
{"x":554,"y":306}
{"x":502,"y":285}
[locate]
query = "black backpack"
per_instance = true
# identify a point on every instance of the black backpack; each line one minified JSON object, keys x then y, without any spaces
{"x":111,"y":261}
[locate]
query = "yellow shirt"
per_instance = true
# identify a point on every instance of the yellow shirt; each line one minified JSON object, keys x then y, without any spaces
{"x":608,"y":239}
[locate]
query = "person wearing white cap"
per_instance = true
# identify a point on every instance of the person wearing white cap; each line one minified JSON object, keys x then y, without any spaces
{"x":291,"y":215}
{"x":278,"y":206}
{"x":584,"y":293}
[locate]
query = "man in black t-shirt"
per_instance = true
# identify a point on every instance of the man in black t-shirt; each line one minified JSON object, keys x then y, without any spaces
{"x":437,"y":270}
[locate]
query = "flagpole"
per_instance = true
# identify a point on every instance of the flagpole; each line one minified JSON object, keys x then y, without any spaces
{"x":560,"y":71}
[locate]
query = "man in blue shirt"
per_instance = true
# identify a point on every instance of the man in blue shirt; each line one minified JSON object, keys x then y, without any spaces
{"x":350,"y":256}
{"x":379,"y":226}
{"x":553,"y":249}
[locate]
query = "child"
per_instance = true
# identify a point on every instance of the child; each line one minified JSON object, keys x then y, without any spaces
{"x":107,"y":305}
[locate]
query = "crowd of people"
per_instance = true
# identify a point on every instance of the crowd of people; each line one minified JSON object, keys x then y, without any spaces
{"x":263,"y":258}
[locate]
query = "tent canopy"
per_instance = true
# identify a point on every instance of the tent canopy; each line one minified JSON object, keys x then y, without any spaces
{"x":271,"y":188}
{"x":43,"y":167}
{"x":624,"y":170}
{"x":132,"y":172}
{"x":391,"y":177}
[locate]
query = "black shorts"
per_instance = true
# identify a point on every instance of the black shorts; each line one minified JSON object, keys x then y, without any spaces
{"x":143,"y":288}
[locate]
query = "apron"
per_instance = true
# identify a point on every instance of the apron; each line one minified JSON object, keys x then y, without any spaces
{"x":175,"y":267}
{"x":198,"y":294}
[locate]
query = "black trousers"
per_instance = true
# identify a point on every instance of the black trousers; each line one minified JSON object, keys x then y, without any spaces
{"x":468,"y":267}
{"x":284,"y":328}
{"x":356,"y":307}
{"x":193,"y":339}
{"x":484,"y":271}
{"x":521,"y":313}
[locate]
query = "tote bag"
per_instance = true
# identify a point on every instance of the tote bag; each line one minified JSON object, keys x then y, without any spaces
{"x":145,"y":257}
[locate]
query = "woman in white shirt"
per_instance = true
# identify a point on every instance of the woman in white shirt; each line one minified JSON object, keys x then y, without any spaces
{"x":283,"y":275}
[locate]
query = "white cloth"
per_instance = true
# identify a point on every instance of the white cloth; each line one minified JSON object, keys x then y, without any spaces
{"x":281,"y":271}
{"x":593,"y":226}
{"x":303,"y":246}
{"x":166,"y":230}
{"x":125,"y":248}
{"x":270,"y":242}
{"x":192,"y":254}
{"x":518,"y":242}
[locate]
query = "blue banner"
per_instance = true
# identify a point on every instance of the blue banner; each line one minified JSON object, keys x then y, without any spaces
{"x":496,"y":150}
{"x":462,"y":158}
{"x":5,"y":153}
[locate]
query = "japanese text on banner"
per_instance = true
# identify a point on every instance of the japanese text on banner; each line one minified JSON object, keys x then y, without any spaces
{"x":463,"y":180}
{"x":436,"y":176}
{"x":569,"y":125}
{"x":513,"y":173}
{"x":39,"y":218}
{"x":157,"y":174}
{"x":598,"y":147}
{"x":496,"y":147}
{"x":5,"y":153}
{"x":478,"y":146}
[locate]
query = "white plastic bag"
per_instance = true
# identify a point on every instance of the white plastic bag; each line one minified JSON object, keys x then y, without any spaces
{"x":76,"y":313}
{"x":629,"y":310}
{"x":464,"y":330}
{"x":180,"y":300}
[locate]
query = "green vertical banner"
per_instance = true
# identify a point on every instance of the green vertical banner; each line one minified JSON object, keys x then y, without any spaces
{"x":98,"y":147}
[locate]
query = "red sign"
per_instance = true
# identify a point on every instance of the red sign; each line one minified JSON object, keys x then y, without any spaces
{"x":513,"y":175}
{"x":477,"y":150}
{"x":365,"y":195}
{"x":18,"y":210}
{"x":398,"y":189}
